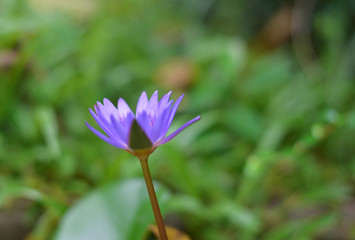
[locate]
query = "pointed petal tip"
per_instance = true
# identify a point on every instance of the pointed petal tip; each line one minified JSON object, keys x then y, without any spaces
{"x":121,"y":102}
{"x":106,"y":101}
{"x":169,"y":94}
{"x":99,"y":104}
{"x":142,"y":103}
{"x":90,"y":127}
{"x":154,"y":95}
{"x":91,"y":111}
{"x":178,"y":101}
{"x":144,"y":93}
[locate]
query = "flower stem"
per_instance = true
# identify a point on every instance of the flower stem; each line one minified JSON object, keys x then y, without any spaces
{"x":153,"y":198}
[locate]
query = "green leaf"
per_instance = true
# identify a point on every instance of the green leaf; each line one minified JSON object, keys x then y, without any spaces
{"x":120,"y":211}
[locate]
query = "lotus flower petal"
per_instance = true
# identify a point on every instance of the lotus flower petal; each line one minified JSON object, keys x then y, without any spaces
{"x":153,"y":117}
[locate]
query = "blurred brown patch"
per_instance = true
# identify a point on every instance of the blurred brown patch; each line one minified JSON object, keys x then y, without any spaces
{"x":345,"y":228}
{"x":276,"y":30}
{"x":77,"y":8}
{"x":173,"y":233}
{"x":7,"y":59}
{"x":176,"y":74}
{"x":13,"y":224}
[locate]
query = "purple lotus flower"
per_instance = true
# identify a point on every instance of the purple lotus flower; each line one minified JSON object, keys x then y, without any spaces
{"x":141,"y":133}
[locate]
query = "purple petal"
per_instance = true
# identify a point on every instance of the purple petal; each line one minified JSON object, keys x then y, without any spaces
{"x":120,"y":130}
{"x":127,"y":122}
{"x":102,"y":124}
{"x":106,"y":110}
{"x":106,"y":126}
{"x":142,"y":104}
{"x":109,"y":106}
{"x":164,"y":102}
{"x":165,"y":99}
{"x":171,"y":136}
{"x":173,"y":110}
{"x":153,"y":102}
{"x":159,"y":127}
{"x":123,"y":109}
{"x":105,"y":138}
{"x":144,"y":121}
{"x":152,"y":109}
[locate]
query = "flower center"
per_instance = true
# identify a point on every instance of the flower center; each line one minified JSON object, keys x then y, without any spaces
{"x":138,"y":139}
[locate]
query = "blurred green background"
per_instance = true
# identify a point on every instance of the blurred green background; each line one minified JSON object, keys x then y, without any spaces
{"x":272,"y":158}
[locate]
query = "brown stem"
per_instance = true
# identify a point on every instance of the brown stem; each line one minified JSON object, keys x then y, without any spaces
{"x":153,"y":198}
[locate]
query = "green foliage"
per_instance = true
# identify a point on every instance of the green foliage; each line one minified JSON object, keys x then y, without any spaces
{"x":118,"y":211}
{"x":272,"y":157}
